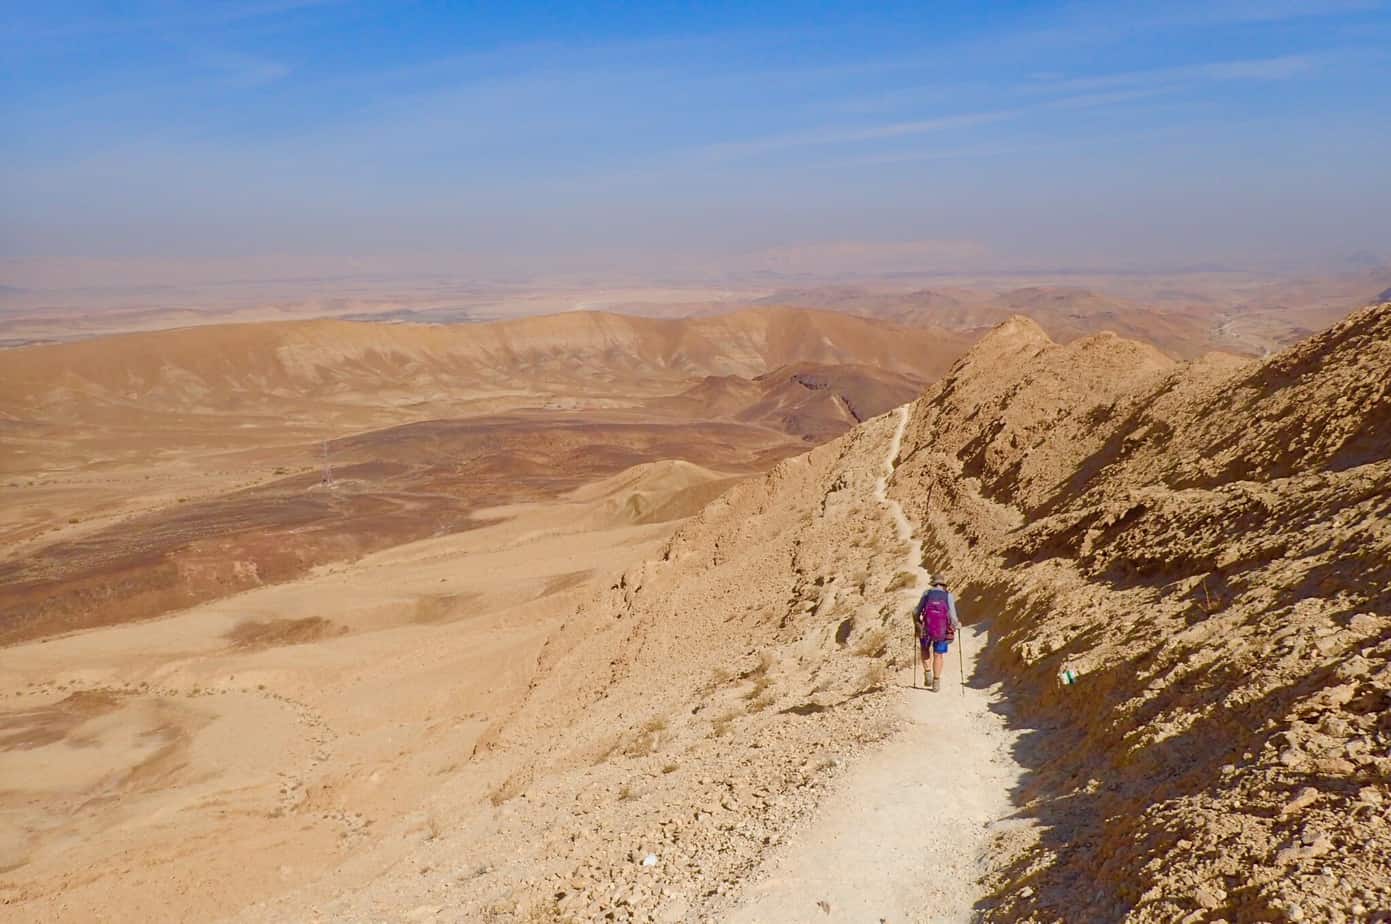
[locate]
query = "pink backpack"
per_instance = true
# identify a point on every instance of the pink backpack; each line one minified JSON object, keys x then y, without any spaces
{"x":935,"y":617}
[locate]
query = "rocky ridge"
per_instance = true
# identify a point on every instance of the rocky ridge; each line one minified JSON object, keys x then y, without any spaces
{"x":1207,"y":545}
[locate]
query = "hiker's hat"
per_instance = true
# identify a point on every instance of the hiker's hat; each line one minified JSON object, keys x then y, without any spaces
{"x":939,"y":582}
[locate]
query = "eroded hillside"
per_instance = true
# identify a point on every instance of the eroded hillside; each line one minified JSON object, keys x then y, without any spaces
{"x":692,"y":710}
{"x":150,"y":472}
{"x":1207,"y":544}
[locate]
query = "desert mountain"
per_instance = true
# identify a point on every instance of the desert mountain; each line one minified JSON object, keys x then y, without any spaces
{"x":1065,"y":312}
{"x":1203,"y":542}
{"x":168,"y":468}
{"x":813,"y":400}
{"x":299,"y":368}
{"x":506,"y":723}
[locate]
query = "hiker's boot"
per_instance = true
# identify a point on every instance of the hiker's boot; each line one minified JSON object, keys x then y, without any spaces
{"x":927,"y":678}
{"x":936,"y":684}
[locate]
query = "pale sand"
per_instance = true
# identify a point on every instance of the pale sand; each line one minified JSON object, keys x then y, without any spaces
{"x":203,"y":744}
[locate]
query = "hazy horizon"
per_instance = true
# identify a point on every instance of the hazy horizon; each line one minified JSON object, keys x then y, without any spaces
{"x":180,"y":142}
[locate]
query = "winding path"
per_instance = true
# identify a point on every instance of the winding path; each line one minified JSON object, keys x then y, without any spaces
{"x":902,"y":836}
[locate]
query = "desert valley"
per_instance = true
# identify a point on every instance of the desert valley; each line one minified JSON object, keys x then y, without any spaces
{"x":669,"y":463}
{"x":334,"y":620}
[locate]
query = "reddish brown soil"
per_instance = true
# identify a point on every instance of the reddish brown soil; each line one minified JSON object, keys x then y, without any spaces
{"x":390,"y":486}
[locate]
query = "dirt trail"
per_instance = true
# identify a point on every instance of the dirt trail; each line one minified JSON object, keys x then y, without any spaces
{"x":903,"y":836}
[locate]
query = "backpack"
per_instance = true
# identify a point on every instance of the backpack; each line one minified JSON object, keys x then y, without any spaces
{"x":934,"y":615}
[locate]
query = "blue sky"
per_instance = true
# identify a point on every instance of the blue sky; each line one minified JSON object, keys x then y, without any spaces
{"x":667,"y":136}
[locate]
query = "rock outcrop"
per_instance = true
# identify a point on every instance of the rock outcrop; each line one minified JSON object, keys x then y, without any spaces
{"x":1208,"y":545}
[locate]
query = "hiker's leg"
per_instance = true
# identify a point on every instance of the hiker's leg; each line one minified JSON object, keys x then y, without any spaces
{"x":936,"y":664}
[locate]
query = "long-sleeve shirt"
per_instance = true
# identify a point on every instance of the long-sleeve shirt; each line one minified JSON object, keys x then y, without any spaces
{"x":951,"y":607}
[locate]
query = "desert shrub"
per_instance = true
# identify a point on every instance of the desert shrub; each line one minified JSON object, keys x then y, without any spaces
{"x":875,"y":676}
{"x":546,"y":911}
{"x":902,"y":581}
{"x":605,"y":754}
{"x":760,"y":687}
{"x":647,"y":738}
{"x":506,"y":791}
{"x":762,"y":701}
{"x":766,"y":662}
{"x":670,"y":768}
{"x":873,"y":643}
{"x":626,"y":794}
{"x":722,"y":725}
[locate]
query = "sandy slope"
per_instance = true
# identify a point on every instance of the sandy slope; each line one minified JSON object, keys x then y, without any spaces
{"x":175,"y":769}
{"x":900,"y":838}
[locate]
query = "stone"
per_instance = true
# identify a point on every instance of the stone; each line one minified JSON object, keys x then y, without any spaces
{"x":1306,"y":797}
{"x":1209,"y":896}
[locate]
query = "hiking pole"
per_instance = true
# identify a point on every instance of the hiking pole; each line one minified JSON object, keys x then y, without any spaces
{"x":913,"y":654}
{"x":961,"y":657}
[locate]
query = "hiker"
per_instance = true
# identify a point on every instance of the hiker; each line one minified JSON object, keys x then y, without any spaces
{"x":937,"y":625}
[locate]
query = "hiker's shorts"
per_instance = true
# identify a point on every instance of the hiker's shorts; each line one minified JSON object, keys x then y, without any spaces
{"x":939,"y":647}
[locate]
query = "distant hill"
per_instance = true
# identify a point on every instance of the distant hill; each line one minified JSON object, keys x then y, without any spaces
{"x":1064,"y":312}
{"x":811,"y":400}
{"x":297,"y":368}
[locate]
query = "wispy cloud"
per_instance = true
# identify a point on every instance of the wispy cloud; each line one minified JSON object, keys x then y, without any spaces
{"x":38,"y":24}
{"x":241,"y":71}
{"x":849,"y":135}
{"x":1277,"y":68}
{"x":1236,"y":12}
{"x":909,"y":128}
